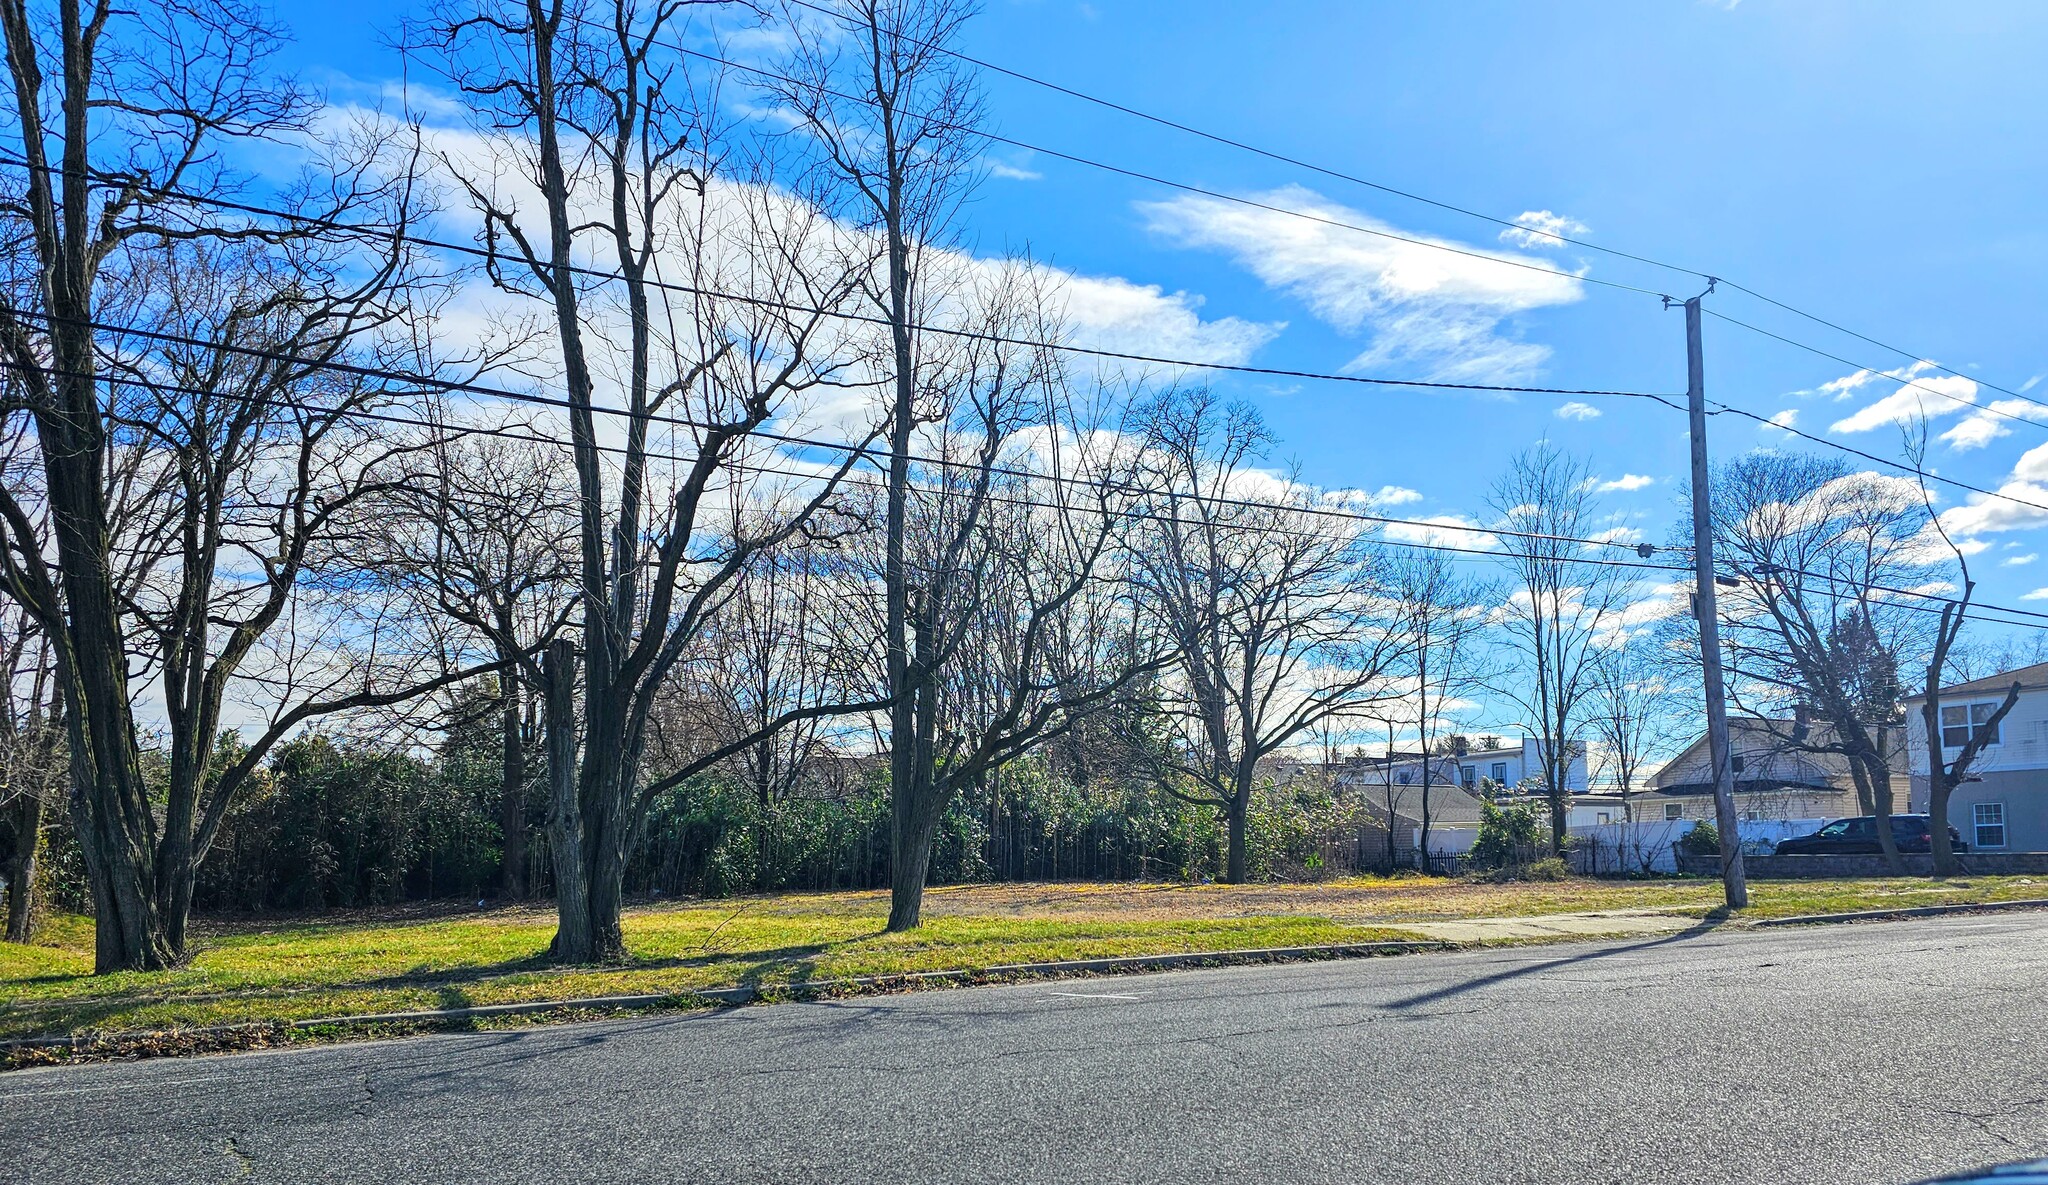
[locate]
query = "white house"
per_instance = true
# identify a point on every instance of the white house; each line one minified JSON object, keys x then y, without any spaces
{"x":1512,"y":768}
{"x":2002,"y":806}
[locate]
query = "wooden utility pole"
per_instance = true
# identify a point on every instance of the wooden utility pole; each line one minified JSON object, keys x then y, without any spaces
{"x":1735,"y":885}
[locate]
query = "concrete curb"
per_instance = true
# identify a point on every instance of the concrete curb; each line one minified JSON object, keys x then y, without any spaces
{"x":748,"y":994}
{"x":1920,"y":911}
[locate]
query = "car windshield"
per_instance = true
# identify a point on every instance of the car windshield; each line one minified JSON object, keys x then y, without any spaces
{"x":1838,"y":827}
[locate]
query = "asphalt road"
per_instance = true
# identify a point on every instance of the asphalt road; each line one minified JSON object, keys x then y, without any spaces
{"x":1868,"y":1053}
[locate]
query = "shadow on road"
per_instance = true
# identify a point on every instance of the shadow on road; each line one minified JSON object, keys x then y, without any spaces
{"x":1707,"y":925}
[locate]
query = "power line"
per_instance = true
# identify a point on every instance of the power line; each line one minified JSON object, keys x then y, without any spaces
{"x":1381,"y":187}
{"x":1981,"y":609}
{"x":1816,"y":350}
{"x":430,"y":385}
{"x":1904,"y":353}
{"x":791,"y":307}
{"x":1186,"y":187}
{"x":1255,"y":150}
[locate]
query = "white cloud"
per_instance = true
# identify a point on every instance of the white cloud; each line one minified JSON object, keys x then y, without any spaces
{"x":1010,"y":172}
{"x":1784,"y":420}
{"x":1541,"y":228}
{"x":1627,"y":481}
{"x":2018,"y":561}
{"x":1931,"y":397}
{"x":2039,"y":594}
{"x":1112,"y":313}
{"x":1442,"y":530}
{"x":1577,"y":411}
{"x":1422,"y":306}
{"x":1980,"y":428}
{"x":2016,"y":507}
{"x":1617,"y":535}
{"x":1396,"y":496}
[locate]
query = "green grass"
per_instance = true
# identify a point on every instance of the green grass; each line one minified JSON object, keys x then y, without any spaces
{"x":364,"y":963}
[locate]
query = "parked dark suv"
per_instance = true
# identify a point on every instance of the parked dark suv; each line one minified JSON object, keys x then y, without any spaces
{"x":1859,"y":836}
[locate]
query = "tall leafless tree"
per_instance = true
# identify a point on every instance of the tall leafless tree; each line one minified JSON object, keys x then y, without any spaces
{"x":1273,"y":609}
{"x":1438,"y":619}
{"x":1808,"y":630}
{"x":481,"y":544}
{"x":173,"y":360}
{"x":603,"y":180}
{"x":1561,"y":608}
{"x":894,"y":116}
{"x":1945,"y":773}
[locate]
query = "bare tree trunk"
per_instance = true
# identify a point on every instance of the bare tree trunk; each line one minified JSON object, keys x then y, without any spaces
{"x":910,"y":858}
{"x":512,"y":790}
{"x":573,"y":941}
{"x":21,"y":868}
{"x":1236,"y":863}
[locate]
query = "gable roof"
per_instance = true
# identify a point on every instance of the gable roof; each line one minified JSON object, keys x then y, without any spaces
{"x":2031,"y":678}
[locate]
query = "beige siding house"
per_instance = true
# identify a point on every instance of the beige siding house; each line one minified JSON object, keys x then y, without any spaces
{"x":1777,"y":776}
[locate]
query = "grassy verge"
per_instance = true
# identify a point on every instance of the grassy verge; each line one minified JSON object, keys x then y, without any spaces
{"x":277,"y":971}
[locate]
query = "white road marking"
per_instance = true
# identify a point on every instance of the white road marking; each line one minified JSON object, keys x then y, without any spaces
{"x":1092,"y":996}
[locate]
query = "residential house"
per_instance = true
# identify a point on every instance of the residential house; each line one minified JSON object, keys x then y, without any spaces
{"x":2002,"y":805}
{"x":1514,"y":768}
{"x":1779,"y":775}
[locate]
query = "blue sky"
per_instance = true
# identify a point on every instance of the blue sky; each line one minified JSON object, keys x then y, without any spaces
{"x":1879,"y":164}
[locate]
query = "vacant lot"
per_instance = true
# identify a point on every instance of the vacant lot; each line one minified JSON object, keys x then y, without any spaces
{"x":413,"y":959}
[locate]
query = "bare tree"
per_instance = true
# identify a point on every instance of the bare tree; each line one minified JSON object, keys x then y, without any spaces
{"x":1271,"y":607}
{"x":481,"y":544}
{"x":1809,"y":630}
{"x":791,"y":637}
{"x":31,"y":761}
{"x":1561,"y":608}
{"x":894,"y":116}
{"x":600,"y":118}
{"x":1944,"y":775}
{"x":1632,"y":712}
{"x":1438,"y":620}
{"x":166,"y":449}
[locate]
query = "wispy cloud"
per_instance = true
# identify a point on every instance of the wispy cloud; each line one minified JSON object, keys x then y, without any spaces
{"x":1784,"y":421}
{"x":1931,"y":396}
{"x":1421,"y":306}
{"x":1627,"y":481}
{"x":1577,"y":411}
{"x":1396,"y":496}
{"x":1541,"y":228}
{"x":1443,"y":530}
{"x":1010,"y":172}
{"x":2018,"y":561}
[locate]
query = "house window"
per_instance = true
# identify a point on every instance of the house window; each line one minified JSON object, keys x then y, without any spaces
{"x":1468,"y":775}
{"x":1990,"y":820}
{"x":1736,"y":762}
{"x":1500,"y":772}
{"x":1603,"y":817}
{"x":1958,"y":719}
{"x":1403,"y":777}
{"x":1673,"y":810}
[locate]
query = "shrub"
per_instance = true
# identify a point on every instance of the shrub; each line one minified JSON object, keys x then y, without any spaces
{"x":1702,"y":840}
{"x":1550,"y":868}
{"x":1505,"y":834}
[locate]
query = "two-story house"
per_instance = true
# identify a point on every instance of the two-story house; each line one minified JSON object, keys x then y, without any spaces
{"x":2002,"y":805}
{"x":1519,"y":768}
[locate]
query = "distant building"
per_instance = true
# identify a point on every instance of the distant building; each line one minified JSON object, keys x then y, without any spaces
{"x":1519,"y":768}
